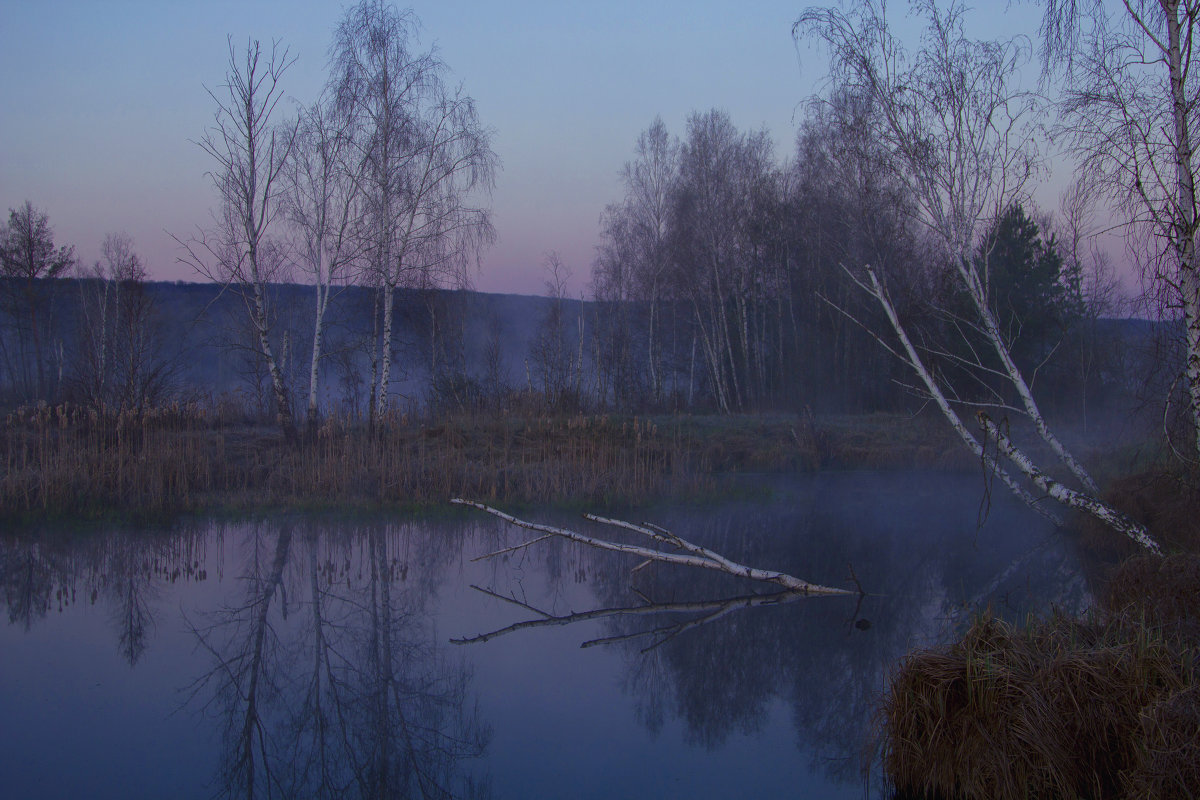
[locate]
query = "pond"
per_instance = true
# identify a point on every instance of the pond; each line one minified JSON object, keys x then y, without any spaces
{"x":316,"y":656}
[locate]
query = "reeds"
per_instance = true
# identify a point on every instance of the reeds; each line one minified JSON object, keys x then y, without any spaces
{"x":1060,"y":708}
{"x":71,"y":461}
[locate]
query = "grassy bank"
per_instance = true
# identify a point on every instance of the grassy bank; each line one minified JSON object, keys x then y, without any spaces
{"x":1107,"y":706}
{"x":65,"y":461}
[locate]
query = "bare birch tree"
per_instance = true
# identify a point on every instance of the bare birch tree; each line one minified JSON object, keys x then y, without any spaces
{"x":961,"y":138}
{"x":1130,"y":106}
{"x":424,"y":158}
{"x":324,"y":209}
{"x":632,"y":260}
{"x":240,"y":252}
{"x":716,"y":266}
{"x":121,"y":359}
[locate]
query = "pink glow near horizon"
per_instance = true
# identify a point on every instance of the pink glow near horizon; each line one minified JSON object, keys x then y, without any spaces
{"x":99,"y":132}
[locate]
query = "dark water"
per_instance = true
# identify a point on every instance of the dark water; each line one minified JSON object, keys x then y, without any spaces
{"x":312,"y":656}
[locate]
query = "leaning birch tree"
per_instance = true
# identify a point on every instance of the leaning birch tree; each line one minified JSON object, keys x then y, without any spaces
{"x":960,"y":136}
{"x":1129,"y":110}
{"x":240,"y":252}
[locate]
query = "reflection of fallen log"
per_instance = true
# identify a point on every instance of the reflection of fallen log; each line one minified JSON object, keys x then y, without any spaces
{"x":691,"y":555}
{"x":702,"y":612}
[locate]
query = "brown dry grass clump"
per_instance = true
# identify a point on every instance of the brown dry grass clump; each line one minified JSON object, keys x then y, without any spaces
{"x":1060,"y":708}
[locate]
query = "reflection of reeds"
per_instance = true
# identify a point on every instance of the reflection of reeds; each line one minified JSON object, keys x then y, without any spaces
{"x":64,"y":460}
{"x":1105,"y":707}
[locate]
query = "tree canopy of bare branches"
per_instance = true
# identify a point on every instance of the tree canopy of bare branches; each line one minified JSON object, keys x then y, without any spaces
{"x":241,"y":251}
{"x":424,"y":160}
{"x":121,"y":360}
{"x":1129,"y":106}
{"x":960,"y":136}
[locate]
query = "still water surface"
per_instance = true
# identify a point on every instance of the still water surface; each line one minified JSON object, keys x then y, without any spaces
{"x":313,"y":656}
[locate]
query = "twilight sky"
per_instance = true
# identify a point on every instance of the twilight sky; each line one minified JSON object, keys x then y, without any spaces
{"x":101,"y":101}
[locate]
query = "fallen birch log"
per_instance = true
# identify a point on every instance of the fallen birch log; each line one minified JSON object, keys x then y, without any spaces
{"x":692,"y":555}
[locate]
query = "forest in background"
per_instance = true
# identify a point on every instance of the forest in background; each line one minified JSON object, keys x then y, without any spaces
{"x":114,"y":346}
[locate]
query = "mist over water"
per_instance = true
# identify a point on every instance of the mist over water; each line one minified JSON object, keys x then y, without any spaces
{"x":311,"y":656}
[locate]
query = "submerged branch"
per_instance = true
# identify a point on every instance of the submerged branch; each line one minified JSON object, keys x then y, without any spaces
{"x":693,"y":555}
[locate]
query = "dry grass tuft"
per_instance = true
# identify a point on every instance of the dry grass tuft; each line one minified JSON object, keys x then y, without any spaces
{"x":1061,"y":708}
{"x":1168,"y":758}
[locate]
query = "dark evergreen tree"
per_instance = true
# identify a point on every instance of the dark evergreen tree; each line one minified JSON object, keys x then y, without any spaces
{"x":1035,"y":296}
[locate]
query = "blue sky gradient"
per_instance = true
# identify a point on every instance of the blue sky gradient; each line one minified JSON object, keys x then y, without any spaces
{"x":102,"y":101}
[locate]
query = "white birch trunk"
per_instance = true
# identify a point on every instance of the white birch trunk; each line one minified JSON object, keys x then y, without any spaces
{"x":1185,"y":213}
{"x":693,"y":555}
{"x":278,"y":384}
{"x":1068,"y":497}
{"x":385,"y":353}
{"x":975,"y":288}
{"x":914,"y":360}
{"x":712,"y":357}
{"x":318,"y":335}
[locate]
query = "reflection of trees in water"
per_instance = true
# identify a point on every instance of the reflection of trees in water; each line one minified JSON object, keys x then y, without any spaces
{"x":125,"y":571}
{"x":328,"y":674}
{"x":134,"y":573}
{"x":824,"y":658}
{"x":28,"y":578}
{"x":246,"y":668}
{"x":131,"y":614}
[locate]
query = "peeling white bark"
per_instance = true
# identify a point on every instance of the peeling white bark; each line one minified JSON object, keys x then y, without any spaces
{"x":1185,"y":213}
{"x":1068,"y":497}
{"x":975,"y":288}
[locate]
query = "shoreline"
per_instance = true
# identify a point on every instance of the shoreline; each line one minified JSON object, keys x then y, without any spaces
{"x":65,"y":463}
